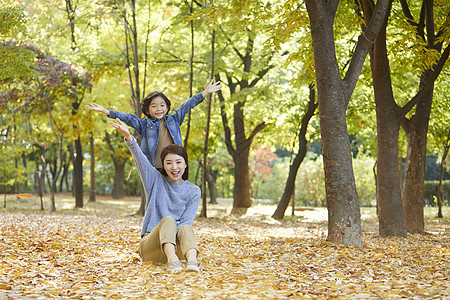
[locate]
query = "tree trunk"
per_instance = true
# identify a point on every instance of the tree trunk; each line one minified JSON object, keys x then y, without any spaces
{"x":119,"y":178}
{"x":191,"y":74}
{"x":241,"y":193}
{"x":134,"y":84}
{"x":24,"y":162}
{"x":206,"y":176}
{"x":416,"y":128}
{"x":40,"y":173}
{"x":293,"y":169}
{"x":64,"y":175}
{"x":141,"y":210}
{"x":92,"y":167}
{"x":344,"y":218}
{"x":414,"y":176}
{"x":78,"y":174}
{"x":72,"y":159}
{"x":58,"y":169}
{"x":441,"y":175}
{"x":211,"y":187}
{"x":119,"y":168}
{"x":390,"y":212}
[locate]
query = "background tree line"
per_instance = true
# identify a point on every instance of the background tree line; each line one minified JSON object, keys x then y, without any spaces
{"x":302,"y":111}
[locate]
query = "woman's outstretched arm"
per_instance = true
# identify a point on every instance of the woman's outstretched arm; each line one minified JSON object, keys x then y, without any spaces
{"x":122,"y":127}
{"x":146,"y":171}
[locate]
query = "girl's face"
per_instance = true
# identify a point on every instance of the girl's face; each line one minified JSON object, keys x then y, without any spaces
{"x":157,"y":108}
{"x":174,"y":165}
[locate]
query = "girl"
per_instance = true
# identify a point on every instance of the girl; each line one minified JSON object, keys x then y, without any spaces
{"x":159,"y":129}
{"x":171,"y":206}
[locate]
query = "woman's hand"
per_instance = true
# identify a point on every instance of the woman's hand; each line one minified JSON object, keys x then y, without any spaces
{"x":96,"y":107}
{"x":211,"y":88}
{"x":122,"y":127}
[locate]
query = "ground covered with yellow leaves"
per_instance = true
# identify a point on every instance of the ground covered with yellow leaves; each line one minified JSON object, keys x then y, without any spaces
{"x":90,"y":253}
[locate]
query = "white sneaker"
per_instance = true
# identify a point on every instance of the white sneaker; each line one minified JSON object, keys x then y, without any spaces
{"x":192,"y":266}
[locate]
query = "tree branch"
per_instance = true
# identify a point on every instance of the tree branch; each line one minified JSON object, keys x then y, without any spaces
{"x":232,"y":46}
{"x":256,"y":130}
{"x":429,"y":83}
{"x":365,"y":42}
{"x":226,"y":127}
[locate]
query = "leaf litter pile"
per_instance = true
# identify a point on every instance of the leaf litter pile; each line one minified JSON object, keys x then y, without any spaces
{"x":90,"y":253}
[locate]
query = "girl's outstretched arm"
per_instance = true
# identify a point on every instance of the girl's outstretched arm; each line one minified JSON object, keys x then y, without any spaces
{"x":97,"y":107}
{"x":211,"y":88}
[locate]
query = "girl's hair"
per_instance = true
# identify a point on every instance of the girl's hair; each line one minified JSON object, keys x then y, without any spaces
{"x":178,"y":150}
{"x":148,"y":100}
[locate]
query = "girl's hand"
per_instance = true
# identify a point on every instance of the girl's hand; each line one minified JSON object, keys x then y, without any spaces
{"x":211,"y":88}
{"x":96,"y":107}
{"x":122,"y":127}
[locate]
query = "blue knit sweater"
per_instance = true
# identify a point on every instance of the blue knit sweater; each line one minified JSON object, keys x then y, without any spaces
{"x":164,"y":197}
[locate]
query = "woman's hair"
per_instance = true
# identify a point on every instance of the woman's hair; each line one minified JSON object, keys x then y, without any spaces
{"x":178,"y":150}
{"x":148,"y":100}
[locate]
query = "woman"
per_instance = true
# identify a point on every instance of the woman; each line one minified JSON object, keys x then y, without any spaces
{"x":171,"y":206}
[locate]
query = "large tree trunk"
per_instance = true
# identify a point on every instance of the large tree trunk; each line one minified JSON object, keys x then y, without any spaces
{"x":414,"y":176}
{"x":344,"y":218}
{"x":78,"y":174}
{"x":293,"y":169}
{"x":416,"y":128}
{"x":390,"y":212}
{"x":119,"y":178}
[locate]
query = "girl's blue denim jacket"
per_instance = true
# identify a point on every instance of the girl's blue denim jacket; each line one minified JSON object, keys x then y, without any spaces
{"x":148,"y":128}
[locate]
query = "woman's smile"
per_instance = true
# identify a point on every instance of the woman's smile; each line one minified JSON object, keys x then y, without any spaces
{"x":174,"y":165}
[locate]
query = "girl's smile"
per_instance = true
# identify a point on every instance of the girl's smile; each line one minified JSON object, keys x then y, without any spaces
{"x":157,"y":108}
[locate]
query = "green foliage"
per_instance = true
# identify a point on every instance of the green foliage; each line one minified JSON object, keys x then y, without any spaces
{"x":12,"y":20}
{"x":310,"y":186}
{"x":439,"y":127}
{"x":15,"y":59}
{"x":272,"y":186}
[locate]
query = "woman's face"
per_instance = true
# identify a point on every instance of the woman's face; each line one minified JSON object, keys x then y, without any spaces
{"x":157,"y":108}
{"x":174,"y":165}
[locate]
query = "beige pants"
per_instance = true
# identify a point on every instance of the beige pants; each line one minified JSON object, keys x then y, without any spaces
{"x":151,"y":246}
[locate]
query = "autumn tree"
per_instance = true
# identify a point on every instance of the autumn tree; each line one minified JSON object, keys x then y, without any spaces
{"x":16,"y":62}
{"x":344,"y":220}
{"x":71,"y":11}
{"x":396,"y":217}
{"x":439,"y":133}
{"x":57,"y":81}
{"x":243,"y":66}
{"x":432,"y":29}
{"x":300,"y":155}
